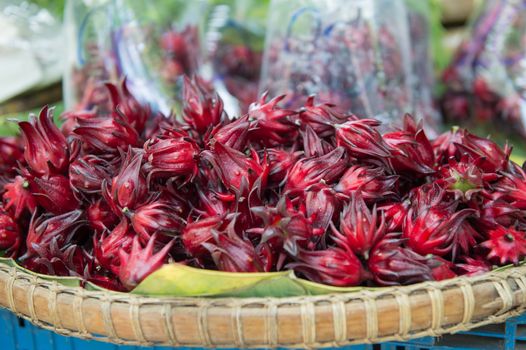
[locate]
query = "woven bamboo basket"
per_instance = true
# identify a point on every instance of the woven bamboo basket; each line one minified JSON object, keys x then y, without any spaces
{"x":399,"y":313}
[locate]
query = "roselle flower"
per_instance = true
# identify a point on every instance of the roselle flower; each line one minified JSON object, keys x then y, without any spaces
{"x":239,"y":173}
{"x":464,"y":178}
{"x":505,"y":245}
{"x":171,"y":156}
{"x":391,"y":264}
{"x":494,"y":158}
{"x":445,"y":145}
{"x":57,"y":260}
{"x":198,"y":232}
{"x":280,"y":163}
{"x":361,"y":139}
{"x":233,"y":134}
{"x":202,"y":109}
{"x":271,"y":125}
{"x":45,"y":228}
{"x":128,"y":188}
{"x":498,"y":212}
{"x":136,"y":265}
{"x":10,"y":236}
{"x":105,"y":134}
{"x":333,"y":266}
{"x":87,"y":173}
{"x":18,"y":198}
{"x":309,"y":171}
{"x":313,"y":145}
{"x":235,"y":254}
{"x":360,"y":228}
{"x":372,"y":182}
{"x":433,"y":226}
{"x":125,"y":105}
{"x":394,"y":214}
{"x":213,"y":203}
{"x":106,"y":246}
{"x":100,"y":216}
{"x":158,"y":216}
{"x":45,"y":147}
{"x":321,"y":204}
{"x":322,"y":117}
{"x":411,"y":151}
{"x":53,"y":193}
{"x":513,"y":188}
{"x":441,"y":269}
{"x":11,"y":153}
{"x":473,"y":266}
{"x":286,"y":227}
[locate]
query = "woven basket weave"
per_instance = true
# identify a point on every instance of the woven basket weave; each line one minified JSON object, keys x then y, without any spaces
{"x":399,"y":313}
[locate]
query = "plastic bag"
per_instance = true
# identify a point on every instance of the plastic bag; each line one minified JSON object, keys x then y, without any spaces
{"x":31,"y":48}
{"x":235,"y":43}
{"x":420,"y":23}
{"x":486,"y":80}
{"x":351,"y":53}
{"x":150,"y":43}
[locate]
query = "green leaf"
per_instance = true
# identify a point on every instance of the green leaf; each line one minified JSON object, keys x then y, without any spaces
{"x":313,"y":288}
{"x":181,"y":280}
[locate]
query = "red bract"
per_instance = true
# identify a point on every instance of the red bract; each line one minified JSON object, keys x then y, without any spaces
{"x":445,"y":145}
{"x":360,"y":228}
{"x":87,"y":173}
{"x":441,"y":269}
{"x":473,"y":266}
{"x":433,"y":227}
{"x":271,"y":125}
{"x":391,"y":264}
{"x":11,"y":152}
{"x":18,"y":198}
{"x":54,"y":259}
{"x":411,"y":151}
{"x":395,"y":214}
{"x":128,"y":188}
{"x":280,"y":163}
{"x":322,"y":117}
{"x":105,"y":134}
{"x":235,"y":254}
{"x":371,"y":182}
{"x":45,"y":147}
{"x":44,"y":229}
{"x":493,"y":157}
{"x":158,"y":216}
{"x":498,"y":212}
{"x":233,"y":134}
{"x":464,"y":177}
{"x":125,"y":105}
{"x":313,"y":145}
{"x":321,"y":204}
{"x":212,"y":203}
{"x":239,"y":173}
{"x":202,"y":109}
{"x":170,"y":157}
{"x":196,"y":233}
{"x":139,"y":263}
{"x":333,"y":266}
{"x":361,"y":139}
{"x":106,"y":247}
{"x":513,"y":188}
{"x":54,"y":194}
{"x":310,"y":171}
{"x":100,"y":217}
{"x":506,"y":245}
{"x":10,"y":236}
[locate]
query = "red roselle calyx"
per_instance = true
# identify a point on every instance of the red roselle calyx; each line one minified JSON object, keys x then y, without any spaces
{"x":140,"y":262}
{"x":371,"y":182}
{"x":202,"y":109}
{"x":10,"y":235}
{"x":18,"y":198}
{"x":45,"y":147}
{"x":87,"y":173}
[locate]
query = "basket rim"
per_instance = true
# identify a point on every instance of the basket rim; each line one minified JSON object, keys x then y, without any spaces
{"x":487,"y":298}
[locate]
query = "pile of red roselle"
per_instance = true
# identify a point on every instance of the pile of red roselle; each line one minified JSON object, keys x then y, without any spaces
{"x":114,"y":195}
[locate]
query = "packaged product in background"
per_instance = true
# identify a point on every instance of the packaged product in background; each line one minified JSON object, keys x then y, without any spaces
{"x":355,"y":54}
{"x":486,"y":80}
{"x":153,"y":44}
{"x":235,"y":41}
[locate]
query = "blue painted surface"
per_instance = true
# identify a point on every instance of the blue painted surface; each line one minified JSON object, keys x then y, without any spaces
{"x":17,"y":334}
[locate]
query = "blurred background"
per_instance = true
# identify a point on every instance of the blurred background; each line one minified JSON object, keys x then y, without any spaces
{"x":433,"y":58}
